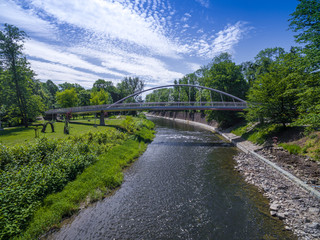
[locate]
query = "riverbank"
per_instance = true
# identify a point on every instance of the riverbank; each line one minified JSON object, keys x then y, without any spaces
{"x":51,"y":179}
{"x":292,"y":201}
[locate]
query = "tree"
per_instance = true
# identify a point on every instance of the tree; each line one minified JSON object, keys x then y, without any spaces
{"x":274,"y":94}
{"x":129,"y":86}
{"x":306,"y":22}
{"x":67,"y":98}
{"x":224,"y":75}
{"x":160,"y":95}
{"x":66,"y":85}
{"x":84,"y":98}
{"x":18,"y":74}
{"x":100,"y":97}
{"x":107,"y":86}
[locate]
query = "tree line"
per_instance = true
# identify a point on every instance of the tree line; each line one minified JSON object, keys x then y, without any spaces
{"x":23,"y":97}
{"x":281,"y":87}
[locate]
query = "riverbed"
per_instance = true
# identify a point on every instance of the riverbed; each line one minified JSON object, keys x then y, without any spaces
{"x":183,"y":187}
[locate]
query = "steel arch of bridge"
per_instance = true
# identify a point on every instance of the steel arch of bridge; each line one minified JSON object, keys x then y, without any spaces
{"x":178,"y":85}
{"x":238,"y":105}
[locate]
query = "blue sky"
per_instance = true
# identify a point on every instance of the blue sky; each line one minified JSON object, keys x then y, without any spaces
{"x":80,"y":41}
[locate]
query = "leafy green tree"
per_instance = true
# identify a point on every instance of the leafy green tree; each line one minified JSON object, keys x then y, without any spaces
{"x":129,"y":86}
{"x":160,"y":95}
{"x":51,"y":89}
{"x":249,"y":70}
{"x":84,"y":98}
{"x":107,"y":86}
{"x":274,"y":94}
{"x":18,"y":74}
{"x":224,"y":75}
{"x":67,"y":98}
{"x":66,"y":85}
{"x":306,"y":22}
{"x":100,"y":97}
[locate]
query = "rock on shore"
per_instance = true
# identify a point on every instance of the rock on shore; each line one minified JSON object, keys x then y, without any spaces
{"x":297,"y":208}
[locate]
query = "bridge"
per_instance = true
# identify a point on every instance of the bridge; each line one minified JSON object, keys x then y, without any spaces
{"x":233,"y":103}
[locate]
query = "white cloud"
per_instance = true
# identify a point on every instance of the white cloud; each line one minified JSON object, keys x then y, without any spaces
{"x":60,"y":74}
{"x":25,"y":19}
{"x":52,"y":54}
{"x":148,"y":68}
{"x":223,"y":41}
{"x":194,"y":66}
{"x":99,"y":38}
{"x":113,"y":20}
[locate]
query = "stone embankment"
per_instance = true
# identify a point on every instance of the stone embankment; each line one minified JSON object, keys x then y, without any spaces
{"x":296,"y":207}
{"x":291,"y":199}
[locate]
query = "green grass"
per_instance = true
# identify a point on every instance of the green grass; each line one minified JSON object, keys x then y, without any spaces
{"x":258,"y":134}
{"x":19,"y":135}
{"x":291,"y":148}
{"x":92,"y":184}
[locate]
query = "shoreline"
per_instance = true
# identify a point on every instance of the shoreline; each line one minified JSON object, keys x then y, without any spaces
{"x":291,"y":200}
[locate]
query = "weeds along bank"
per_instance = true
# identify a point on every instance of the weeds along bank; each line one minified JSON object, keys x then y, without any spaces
{"x":45,"y":181}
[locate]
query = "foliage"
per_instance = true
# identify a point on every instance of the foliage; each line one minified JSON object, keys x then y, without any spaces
{"x":16,"y":76}
{"x":67,"y":98}
{"x":96,"y":181}
{"x":66,"y":85}
{"x":30,"y":172}
{"x":224,"y":75}
{"x":306,"y":21}
{"x":258,"y":134}
{"x":128,"y":86}
{"x":273,"y":95}
{"x":140,"y":127}
{"x":291,"y":148}
{"x":107,"y":86}
{"x":84,"y":98}
{"x":100,"y":97}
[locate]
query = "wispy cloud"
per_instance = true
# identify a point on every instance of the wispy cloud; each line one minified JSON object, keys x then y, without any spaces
{"x":204,"y":3}
{"x":223,"y":41}
{"x":61,"y":74}
{"x":80,"y":40}
{"x":26,"y":20}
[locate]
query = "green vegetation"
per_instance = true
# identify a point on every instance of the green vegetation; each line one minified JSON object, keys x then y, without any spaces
{"x":291,"y":148}
{"x":257,"y":134}
{"x":46,"y":180}
{"x":91,"y":185}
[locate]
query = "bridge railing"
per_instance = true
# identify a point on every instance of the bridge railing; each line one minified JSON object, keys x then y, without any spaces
{"x":98,"y":108}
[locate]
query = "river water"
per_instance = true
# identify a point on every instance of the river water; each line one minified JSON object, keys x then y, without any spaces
{"x":183,"y":187}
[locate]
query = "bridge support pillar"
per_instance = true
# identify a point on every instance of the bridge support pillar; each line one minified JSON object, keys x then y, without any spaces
{"x":102,"y":118}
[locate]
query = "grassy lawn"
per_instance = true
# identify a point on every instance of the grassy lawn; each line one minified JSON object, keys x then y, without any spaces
{"x":19,"y":135}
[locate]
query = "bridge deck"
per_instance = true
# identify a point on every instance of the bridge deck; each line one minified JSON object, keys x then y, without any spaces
{"x":161,"y":106}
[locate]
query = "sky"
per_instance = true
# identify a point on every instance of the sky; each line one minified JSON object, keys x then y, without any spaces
{"x":80,"y":41}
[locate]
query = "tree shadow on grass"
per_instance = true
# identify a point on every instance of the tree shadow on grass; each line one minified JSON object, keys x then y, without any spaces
{"x":14,"y":131}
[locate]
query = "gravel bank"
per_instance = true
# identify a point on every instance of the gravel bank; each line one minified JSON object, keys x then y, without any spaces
{"x":288,"y":202}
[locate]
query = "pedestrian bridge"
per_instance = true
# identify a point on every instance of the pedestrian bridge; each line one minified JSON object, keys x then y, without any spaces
{"x":228,"y":103}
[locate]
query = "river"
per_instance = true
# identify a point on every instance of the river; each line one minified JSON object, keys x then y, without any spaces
{"x":183,"y":187}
